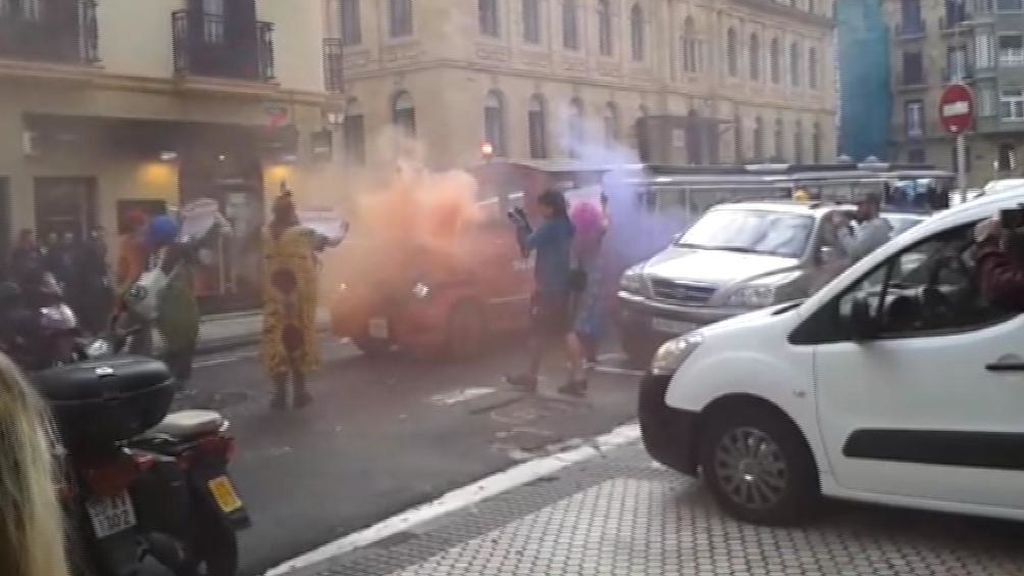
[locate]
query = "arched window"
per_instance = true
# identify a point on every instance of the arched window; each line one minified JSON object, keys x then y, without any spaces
{"x":494,"y":122}
{"x":795,"y":66}
{"x":400,"y":18}
{"x":611,"y":124}
{"x":536,"y":120}
{"x":570,"y":25}
{"x":812,"y":68}
{"x":732,"y":56}
{"x":353,"y":133}
{"x":488,"y":13}
{"x":575,"y":128}
{"x":759,"y":139}
{"x":604,"y":27}
{"x":774,"y":65}
{"x":690,"y":47}
{"x":778,"y":153}
{"x":755,"y":57}
{"x":636,"y":27}
{"x":531,"y":21}
{"x":798,"y":142}
{"x":403,"y":114}
{"x":737,"y":131}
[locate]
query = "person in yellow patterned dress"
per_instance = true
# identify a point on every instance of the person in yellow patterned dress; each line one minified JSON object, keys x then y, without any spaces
{"x":289,"y":311}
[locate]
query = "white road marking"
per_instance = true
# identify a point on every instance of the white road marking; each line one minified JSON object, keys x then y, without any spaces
{"x":461,"y":395}
{"x":618,"y":371}
{"x":459,"y":498}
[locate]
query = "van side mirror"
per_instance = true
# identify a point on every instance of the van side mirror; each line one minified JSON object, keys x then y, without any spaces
{"x":862,"y":323}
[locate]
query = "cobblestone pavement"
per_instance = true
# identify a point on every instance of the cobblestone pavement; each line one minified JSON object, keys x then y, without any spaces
{"x":621,"y":515}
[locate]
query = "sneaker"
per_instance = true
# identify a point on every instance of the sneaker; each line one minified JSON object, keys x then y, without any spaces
{"x":523,"y":382}
{"x":576,"y":388}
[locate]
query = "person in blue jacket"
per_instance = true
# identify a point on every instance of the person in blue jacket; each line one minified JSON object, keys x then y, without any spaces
{"x":553,"y":290}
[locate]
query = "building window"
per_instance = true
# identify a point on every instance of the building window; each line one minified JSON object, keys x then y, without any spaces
{"x":755,"y":58}
{"x":611,"y":124}
{"x":488,"y":14}
{"x":531,"y":21}
{"x":916,"y":156}
{"x":636,"y":27}
{"x":732,"y":56}
{"x":913,"y":68}
{"x":798,"y":142}
{"x":1011,"y":104}
{"x":795,"y":65}
{"x":967,"y":159}
{"x":29,"y":10}
{"x":403,"y":114}
{"x":816,"y":144}
{"x":811,"y":8}
{"x":956,"y":63}
{"x":779,"y":141}
{"x":575,"y":128}
{"x":604,"y":27}
{"x":1009,"y":5}
{"x":812,"y":68}
{"x":984,"y":55}
{"x":537,"y":123}
{"x":914,"y":118}
{"x":759,"y":139}
{"x":956,"y":12}
{"x":738,"y":155}
{"x":691,"y":47}
{"x":351,"y":28}
{"x":570,"y":28}
{"x":213,"y":21}
{"x":353,"y":133}
{"x":1011,"y":50}
{"x":774,"y":64}
{"x":400,"y":18}
{"x":911,"y":16}
{"x":494,"y":122}
{"x":1006,"y":160}
{"x":986,"y":101}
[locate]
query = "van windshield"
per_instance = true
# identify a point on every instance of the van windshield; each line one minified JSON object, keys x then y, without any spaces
{"x":753,"y":231}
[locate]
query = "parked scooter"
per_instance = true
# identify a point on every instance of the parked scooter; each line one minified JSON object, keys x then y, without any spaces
{"x":141,"y":483}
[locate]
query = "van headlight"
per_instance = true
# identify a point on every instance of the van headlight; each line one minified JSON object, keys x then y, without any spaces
{"x":632,"y":280}
{"x":421,"y":290}
{"x":673,"y":353}
{"x":754,"y":296}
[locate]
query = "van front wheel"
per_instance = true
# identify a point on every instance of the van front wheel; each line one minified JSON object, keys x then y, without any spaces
{"x":758,"y":466}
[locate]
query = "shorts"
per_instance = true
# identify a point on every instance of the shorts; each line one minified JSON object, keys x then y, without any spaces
{"x":550,"y":314}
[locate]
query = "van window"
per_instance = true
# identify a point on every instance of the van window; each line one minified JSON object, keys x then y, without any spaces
{"x":929,"y":288}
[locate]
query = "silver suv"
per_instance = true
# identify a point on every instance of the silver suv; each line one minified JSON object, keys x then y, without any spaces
{"x":736,"y":258}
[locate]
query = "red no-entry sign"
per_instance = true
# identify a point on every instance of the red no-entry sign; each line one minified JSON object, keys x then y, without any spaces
{"x":956,"y":108}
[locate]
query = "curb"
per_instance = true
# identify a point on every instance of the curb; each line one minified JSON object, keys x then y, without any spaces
{"x":509,"y":479}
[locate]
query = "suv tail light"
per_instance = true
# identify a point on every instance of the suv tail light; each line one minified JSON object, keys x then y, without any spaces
{"x":216,"y":446}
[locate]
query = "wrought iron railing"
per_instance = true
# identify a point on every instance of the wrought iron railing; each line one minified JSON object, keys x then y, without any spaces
{"x":334,"y":70}
{"x":206,"y":45}
{"x":63,"y":31}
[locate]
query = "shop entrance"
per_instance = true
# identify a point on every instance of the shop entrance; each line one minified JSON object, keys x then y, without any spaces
{"x":65,"y":206}
{"x":228,"y":278}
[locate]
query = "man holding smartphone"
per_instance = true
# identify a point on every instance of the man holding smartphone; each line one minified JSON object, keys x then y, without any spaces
{"x":1000,"y":261}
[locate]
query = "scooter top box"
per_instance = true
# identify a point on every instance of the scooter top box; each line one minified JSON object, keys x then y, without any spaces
{"x":107,"y":400}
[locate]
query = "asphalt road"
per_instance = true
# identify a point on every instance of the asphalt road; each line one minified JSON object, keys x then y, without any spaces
{"x":385,"y":435}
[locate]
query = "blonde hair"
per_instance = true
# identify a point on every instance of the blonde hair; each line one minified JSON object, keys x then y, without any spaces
{"x":31,"y":521}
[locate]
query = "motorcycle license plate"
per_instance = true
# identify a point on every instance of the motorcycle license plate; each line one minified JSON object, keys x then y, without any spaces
{"x":224,"y":494}
{"x":111,"y":515}
{"x":378,"y":328}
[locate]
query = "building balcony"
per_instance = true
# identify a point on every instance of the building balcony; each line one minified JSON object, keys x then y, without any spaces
{"x":958,"y":74}
{"x":911,"y":30}
{"x":211,"y":45}
{"x":53,"y":31}
{"x":334,"y":65}
{"x":912,"y":81}
{"x":954,"y":21}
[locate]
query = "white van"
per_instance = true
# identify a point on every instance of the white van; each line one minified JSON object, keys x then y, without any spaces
{"x":896,"y":384}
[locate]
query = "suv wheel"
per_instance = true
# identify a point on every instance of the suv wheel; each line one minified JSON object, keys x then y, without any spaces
{"x":758,"y":466}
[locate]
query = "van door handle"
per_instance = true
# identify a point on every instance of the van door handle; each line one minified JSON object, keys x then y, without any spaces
{"x":1005,"y":366}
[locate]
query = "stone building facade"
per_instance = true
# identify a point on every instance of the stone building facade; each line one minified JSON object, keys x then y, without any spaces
{"x":560,"y":78}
